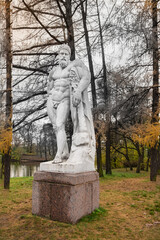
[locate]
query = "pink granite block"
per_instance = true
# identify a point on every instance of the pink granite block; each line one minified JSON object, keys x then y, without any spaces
{"x":65,"y":197}
{"x":35,"y":198}
{"x":66,"y":178}
{"x":61,"y":196}
{"x":95,"y":197}
{"x":41,"y":199}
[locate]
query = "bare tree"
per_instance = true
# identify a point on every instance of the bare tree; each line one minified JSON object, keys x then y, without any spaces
{"x":8,"y":110}
{"x":155,"y":98}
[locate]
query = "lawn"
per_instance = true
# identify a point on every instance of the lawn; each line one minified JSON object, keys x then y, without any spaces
{"x":129,"y":209}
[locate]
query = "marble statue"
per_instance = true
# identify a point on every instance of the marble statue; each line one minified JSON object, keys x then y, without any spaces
{"x":59,"y":100}
{"x":67,"y":91}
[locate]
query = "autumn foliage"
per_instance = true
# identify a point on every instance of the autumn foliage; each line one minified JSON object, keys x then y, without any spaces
{"x":146,"y":134}
{"x":5,"y":140}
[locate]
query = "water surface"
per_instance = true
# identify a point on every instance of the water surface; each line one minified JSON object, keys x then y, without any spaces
{"x":23,"y":170}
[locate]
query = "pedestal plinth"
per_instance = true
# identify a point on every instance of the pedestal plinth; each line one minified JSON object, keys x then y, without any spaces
{"x":65,"y":197}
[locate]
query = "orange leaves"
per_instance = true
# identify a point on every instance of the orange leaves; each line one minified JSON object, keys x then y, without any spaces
{"x":146,"y":134}
{"x":5,"y":140}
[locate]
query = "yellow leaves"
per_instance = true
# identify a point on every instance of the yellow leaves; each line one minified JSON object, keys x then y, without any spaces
{"x":146,"y":134}
{"x":147,"y":4}
{"x":5,"y":140}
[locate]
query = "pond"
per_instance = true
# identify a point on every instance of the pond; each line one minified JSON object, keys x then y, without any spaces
{"x":23,"y":170}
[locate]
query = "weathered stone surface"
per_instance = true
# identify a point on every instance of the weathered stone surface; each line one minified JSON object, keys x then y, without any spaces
{"x":72,"y":179}
{"x":65,"y":197}
{"x":68,"y":166}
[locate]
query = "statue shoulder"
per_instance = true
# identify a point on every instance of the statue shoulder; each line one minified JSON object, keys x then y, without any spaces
{"x":51,"y":73}
{"x":75,"y":71}
{"x":83,"y":71}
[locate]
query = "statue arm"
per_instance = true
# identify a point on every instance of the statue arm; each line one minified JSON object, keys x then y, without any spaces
{"x":75,"y":63}
{"x":50,"y":83}
{"x":84,"y":75}
{"x":85,"y":79}
{"x":83,"y":72}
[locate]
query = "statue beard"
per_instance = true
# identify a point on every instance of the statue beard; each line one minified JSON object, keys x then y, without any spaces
{"x":63,"y":63}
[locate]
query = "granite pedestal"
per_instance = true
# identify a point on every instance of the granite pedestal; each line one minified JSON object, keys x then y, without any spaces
{"x":65,"y":197}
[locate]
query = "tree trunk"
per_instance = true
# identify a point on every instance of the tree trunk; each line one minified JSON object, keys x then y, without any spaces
{"x":129,"y":163}
{"x":8,"y":126}
{"x":45,"y":146}
{"x":127,"y":155}
{"x":147,"y":166}
{"x":158,"y":172}
{"x":108,"y":146}
{"x":106,"y":95}
{"x":99,"y":157}
{"x":154,"y":164}
{"x":2,"y":167}
{"x":7,"y":160}
{"x":138,"y":165}
{"x":70,"y":29}
{"x":67,"y":15}
{"x":40,"y":146}
{"x":155,"y":100}
{"x":89,"y":54}
{"x":90,"y":61}
{"x":140,"y":159}
{"x":148,"y":159}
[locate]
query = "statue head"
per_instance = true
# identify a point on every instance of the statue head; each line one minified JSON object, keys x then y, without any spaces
{"x":64,"y":47}
{"x":64,"y":55}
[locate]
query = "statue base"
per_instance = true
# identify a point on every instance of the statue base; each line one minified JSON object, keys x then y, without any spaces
{"x":68,"y":167}
{"x":65,"y":197}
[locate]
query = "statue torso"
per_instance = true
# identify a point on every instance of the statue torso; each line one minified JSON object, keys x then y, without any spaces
{"x":61,"y":82}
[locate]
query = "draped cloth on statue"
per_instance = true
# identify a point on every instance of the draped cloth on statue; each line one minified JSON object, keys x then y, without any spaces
{"x":83,"y":139}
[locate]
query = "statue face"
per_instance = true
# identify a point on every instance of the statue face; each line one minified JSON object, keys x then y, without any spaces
{"x":64,"y":58}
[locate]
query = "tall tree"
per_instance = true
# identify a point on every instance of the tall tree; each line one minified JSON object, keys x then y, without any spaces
{"x":84,"y":12}
{"x":8,"y":110}
{"x":84,"y":6}
{"x":106,"y":95}
{"x":155,"y":97}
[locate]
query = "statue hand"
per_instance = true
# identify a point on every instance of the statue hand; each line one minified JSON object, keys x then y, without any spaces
{"x":75,"y":63}
{"x":78,"y":63}
{"x":76,"y":99}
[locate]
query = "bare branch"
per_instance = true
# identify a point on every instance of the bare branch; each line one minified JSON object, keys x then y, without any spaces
{"x":31,"y":121}
{"x":29,"y":97}
{"x":48,"y":27}
{"x":52,"y":36}
{"x":49,"y":43}
{"x":40,"y":107}
{"x":23,"y":79}
{"x":30,"y":69}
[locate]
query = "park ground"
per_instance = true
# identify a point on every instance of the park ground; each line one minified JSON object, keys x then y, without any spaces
{"x":129,"y":209}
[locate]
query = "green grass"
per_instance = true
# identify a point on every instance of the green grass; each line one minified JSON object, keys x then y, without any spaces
{"x":21,"y":182}
{"x":95,"y":215}
{"x":122,"y":173}
{"x":128,"y":202}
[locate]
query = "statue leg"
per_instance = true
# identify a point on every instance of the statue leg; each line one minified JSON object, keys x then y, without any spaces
{"x":62,"y":146}
{"x":51,"y":113}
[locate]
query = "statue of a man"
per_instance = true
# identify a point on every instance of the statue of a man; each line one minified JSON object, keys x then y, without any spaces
{"x":67,"y":90}
{"x":59,"y":101}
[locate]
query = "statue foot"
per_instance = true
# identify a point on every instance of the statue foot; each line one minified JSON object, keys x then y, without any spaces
{"x":61,"y":159}
{"x":65,"y":156}
{"x":57,"y":159}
